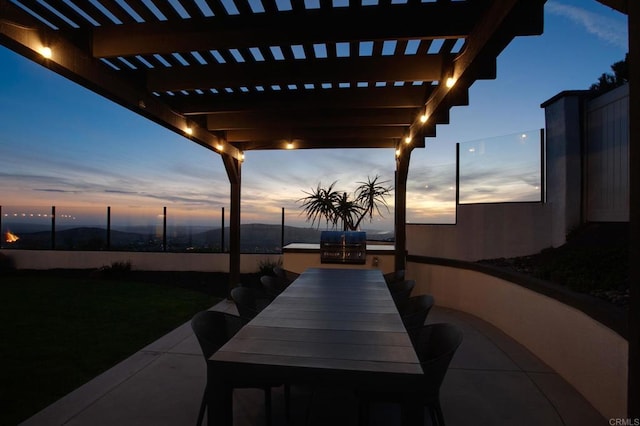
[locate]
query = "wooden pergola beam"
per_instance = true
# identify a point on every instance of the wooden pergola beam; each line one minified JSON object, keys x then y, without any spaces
{"x":488,"y":35}
{"x":300,"y":119}
{"x":619,"y":5}
{"x":316,"y":133}
{"x":350,"y":98}
{"x":250,"y":74}
{"x":443,"y":19}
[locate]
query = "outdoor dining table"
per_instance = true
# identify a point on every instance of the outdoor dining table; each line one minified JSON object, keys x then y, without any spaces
{"x":331,"y":327}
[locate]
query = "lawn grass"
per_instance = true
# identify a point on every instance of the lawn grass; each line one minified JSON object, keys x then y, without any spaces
{"x":57,"y":333}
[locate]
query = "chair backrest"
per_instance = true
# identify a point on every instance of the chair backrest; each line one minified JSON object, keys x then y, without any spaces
{"x":435,"y":346}
{"x":213,"y":329}
{"x":284,"y":277}
{"x":394,"y":276}
{"x":271,"y":285}
{"x":280,"y":273}
{"x":246,"y":302}
{"x":401,"y":291}
{"x":414,"y":311}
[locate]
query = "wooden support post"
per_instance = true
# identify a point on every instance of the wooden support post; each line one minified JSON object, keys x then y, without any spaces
{"x":402,"y":171}
{"x":232,"y":165}
{"x":633,"y":398}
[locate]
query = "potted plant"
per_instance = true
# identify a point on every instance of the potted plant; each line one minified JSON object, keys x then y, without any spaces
{"x":341,"y":208}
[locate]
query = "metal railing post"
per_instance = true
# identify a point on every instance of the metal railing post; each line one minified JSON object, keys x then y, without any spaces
{"x":222,"y":233}
{"x":108,"y":227}
{"x":282,"y":232}
{"x":53,"y":227}
{"x":164,"y":228}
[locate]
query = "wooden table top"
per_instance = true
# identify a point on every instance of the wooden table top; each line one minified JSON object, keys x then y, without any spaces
{"x":328,"y":320}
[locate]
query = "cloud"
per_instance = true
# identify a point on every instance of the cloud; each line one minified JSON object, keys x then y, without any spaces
{"x":608,"y":29}
{"x":54,"y":190}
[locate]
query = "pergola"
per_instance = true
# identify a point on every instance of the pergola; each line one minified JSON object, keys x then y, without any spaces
{"x":243,"y":75}
{"x":239,"y":75}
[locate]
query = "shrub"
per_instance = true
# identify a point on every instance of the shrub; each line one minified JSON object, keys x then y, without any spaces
{"x":265,"y":267}
{"x":6,"y":264}
{"x":117,"y":270}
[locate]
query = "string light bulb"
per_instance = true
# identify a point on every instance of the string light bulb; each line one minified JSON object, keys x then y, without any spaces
{"x":424,"y":117}
{"x":46,"y":52}
{"x":450,"y":82}
{"x":188,"y":130}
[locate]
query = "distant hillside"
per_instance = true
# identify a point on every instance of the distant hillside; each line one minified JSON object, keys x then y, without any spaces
{"x":260,"y":238}
{"x":254,"y":238}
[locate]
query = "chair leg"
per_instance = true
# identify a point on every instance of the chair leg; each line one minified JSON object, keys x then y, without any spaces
{"x":438,"y":413}
{"x":287,"y":402}
{"x":267,"y":406}
{"x":411,"y":413}
{"x":363,"y":412}
{"x":203,"y":406}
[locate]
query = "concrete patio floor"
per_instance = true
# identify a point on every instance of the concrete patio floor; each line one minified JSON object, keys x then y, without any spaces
{"x":492,"y":381}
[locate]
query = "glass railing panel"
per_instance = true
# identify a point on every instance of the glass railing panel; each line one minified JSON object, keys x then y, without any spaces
{"x":81,"y":227}
{"x":297,"y":229}
{"x":194,"y":230}
{"x":431,"y":184}
{"x":501,"y":169}
{"x":137,"y":228}
{"x":262,"y":232}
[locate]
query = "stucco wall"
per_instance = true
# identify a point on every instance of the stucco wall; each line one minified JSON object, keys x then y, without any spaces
{"x":144,"y":261}
{"x":485,"y":231}
{"x":590,"y":356}
{"x":563,"y":122}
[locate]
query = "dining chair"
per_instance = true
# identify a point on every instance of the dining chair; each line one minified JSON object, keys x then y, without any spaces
{"x":213,"y":329}
{"x":401,"y":291}
{"x":246,"y":302}
{"x":414,"y":312}
{"x":284,"y":276}
{"x":271,"y":286}
{"x":395,"y":276}
{"x":435,"y":345}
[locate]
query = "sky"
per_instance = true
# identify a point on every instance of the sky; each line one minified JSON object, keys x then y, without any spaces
{"x":63,"y":145}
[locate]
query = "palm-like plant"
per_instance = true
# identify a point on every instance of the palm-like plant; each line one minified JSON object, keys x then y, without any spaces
{"x":319,"y":204}
{"x":335,"y":207}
